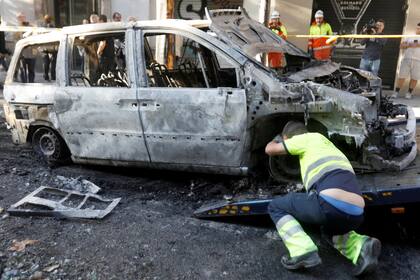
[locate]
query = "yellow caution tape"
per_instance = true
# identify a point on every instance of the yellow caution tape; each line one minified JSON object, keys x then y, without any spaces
{"x":357,"y":36}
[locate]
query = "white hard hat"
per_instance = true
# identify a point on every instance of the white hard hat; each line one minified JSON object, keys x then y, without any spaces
{"x":275,"y":14}
{"x":319,"y":13}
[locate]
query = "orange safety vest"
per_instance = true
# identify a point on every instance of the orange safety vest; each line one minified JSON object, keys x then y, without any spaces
{"x":275,"y":59}
{"x":319,"y":46}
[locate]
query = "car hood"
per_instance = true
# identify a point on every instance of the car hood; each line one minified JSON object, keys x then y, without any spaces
{"x":238,"y":30}
{"x":315,"y":71}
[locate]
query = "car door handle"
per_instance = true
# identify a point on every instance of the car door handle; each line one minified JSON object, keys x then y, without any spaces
{"x":148,"y":105}
{"x":128,"y":104}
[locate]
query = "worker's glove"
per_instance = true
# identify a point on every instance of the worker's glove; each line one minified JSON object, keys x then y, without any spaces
{"x":278,"y":139}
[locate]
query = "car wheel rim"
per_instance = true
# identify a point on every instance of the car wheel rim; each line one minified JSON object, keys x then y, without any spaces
{"x":47,"y":144}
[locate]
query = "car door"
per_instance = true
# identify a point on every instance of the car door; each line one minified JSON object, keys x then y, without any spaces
{"x":97,"y":110}
{"x":189,"y":118}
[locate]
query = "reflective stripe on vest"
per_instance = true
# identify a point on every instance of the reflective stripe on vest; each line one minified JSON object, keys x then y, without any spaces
{"x":319,"y":162}
{"x":319,"y":45}
{"x":322,"y":48}
{"x":324,"y":171}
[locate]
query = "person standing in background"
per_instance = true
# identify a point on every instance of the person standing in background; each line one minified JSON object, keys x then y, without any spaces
{"x":371,"y":58}
{"x":275,"y":59}
{"x":410,"y":65}
{"x":106,"y":52}
{"x":27,"y":61}
{"x":318,"y":46}
{"x":3,"y":51}
{"x":49,"y":55}
{"x":116,"y":17}
{"x":94,"y":18}
{"x":119,"y":45}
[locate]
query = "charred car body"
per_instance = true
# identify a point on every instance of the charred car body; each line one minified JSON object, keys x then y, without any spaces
{"x":191,"y":95}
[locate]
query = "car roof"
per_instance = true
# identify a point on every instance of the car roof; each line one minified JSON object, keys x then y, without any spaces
{"x":187,"y":25}
{"x":114,"y":26}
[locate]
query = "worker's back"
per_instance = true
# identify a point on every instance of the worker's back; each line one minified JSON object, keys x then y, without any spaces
{"x":317,"y":156}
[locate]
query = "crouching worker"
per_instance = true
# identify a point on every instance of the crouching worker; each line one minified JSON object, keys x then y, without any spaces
{"x":333,"y":200}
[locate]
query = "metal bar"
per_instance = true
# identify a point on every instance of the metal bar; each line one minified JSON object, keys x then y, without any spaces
{"x":234,"y":208}
{"x":254,"y":207}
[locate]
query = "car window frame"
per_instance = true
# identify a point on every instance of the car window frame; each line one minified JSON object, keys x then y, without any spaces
{"x":13,"y":66}
{"x":206,"y":42}
{"x":69,"y":57}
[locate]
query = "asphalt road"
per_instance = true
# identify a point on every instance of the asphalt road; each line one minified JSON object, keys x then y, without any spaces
{"x":151,"y":234}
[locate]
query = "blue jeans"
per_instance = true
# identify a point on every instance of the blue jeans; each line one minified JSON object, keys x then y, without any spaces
{"x":312,"y":209}
{"x":370,"y":65}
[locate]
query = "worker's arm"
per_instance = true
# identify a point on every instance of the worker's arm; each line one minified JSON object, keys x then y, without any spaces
{"x":275,"y":149}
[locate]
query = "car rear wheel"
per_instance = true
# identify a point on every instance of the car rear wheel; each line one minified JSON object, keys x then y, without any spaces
{"x":49,"y":145}
{"x":284,"y":169}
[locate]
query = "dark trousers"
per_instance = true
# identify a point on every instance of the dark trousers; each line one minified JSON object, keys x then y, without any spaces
{"x":49,"y":64}
{"x":309,"y":208}
{"x":27,"y":70}
{"x":3,"y":63}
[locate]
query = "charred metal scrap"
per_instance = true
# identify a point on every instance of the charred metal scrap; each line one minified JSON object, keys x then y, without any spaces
{"x":353,"y":113}
{"x":46,"y":201}
{"x":344,"y":103}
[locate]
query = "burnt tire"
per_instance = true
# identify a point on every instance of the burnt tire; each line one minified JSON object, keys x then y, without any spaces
{"x":49,"y":145}
{"x":284,"y":169}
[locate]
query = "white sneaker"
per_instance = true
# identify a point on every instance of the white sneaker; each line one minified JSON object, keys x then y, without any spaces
{"x":394,"y":94}
{"x":408,"y":95}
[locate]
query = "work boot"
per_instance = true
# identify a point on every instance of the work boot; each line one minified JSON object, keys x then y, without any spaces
{"x":307,"y":260}
{"x":368,"y":258}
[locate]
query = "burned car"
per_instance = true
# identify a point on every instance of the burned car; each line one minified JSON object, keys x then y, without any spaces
{"x":193,"y":96}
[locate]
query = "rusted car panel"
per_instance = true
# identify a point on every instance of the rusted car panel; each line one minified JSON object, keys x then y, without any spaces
{"x":210,"y":128}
